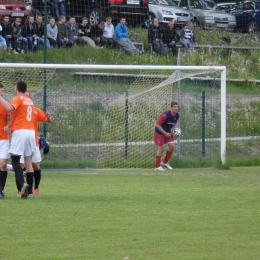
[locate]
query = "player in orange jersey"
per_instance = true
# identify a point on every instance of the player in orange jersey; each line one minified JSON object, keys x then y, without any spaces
{"x":23,"y":134}
{"x":39,"y":116}
{"x":5,"y":121}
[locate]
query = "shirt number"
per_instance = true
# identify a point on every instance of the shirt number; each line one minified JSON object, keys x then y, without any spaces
{"x":29,"y":113}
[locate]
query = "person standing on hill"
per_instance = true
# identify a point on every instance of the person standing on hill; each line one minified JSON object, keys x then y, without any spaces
{"x":59,"y":8}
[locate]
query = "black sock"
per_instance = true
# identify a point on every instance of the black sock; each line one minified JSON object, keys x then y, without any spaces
{"x":18,"y":170}
{"x":29,"y":180}
{"x":37,"y":179}
{"x":3,"y":176}
{"x":17,"y":185}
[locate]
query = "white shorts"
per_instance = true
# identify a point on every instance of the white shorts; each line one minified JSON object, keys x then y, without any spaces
{"x":23,"y":142}
{"x":35,"y":158}
{"x":4,"y":149}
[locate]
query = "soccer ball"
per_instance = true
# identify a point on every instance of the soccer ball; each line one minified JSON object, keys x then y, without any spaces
{"x":176,"y":131}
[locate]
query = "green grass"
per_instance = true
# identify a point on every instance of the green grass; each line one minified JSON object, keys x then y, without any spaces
{"x":141,"y":214}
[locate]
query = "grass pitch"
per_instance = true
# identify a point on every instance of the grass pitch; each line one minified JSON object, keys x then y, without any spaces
{"x":137,"y":213}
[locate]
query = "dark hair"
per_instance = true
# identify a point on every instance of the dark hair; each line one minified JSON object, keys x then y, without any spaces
{"x":1,"y":85}
{"x":174,"y":103}
{"x":21,"y":86}
{"x":61,"y":17}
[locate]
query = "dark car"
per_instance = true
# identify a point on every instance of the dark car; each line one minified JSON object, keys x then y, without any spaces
{"x":14,"y":8}
{"x":247,"y":15}
{"x":135,"y":11}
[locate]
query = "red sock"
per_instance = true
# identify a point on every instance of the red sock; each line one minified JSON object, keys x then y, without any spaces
{"x":167,"y":156}
{"x":158,"y":161}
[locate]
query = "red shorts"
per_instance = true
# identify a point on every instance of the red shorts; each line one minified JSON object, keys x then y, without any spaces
{"x":161,"y":139}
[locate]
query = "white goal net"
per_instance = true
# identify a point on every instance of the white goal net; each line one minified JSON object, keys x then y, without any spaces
{"x":104,"y":115}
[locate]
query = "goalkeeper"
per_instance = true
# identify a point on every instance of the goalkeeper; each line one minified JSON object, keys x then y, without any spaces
{"x":163,"y":134}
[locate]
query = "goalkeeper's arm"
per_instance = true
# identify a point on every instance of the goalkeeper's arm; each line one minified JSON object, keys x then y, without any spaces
{"x":162,"y":131}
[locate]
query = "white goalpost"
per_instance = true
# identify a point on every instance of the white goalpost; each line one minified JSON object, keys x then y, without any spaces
{"x":114,"y":101}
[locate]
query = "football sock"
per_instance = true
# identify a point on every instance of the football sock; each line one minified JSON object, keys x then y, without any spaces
{"x":3,"y":176}
{"x":37,"y":179}
{"x":158,"y":161}
{"x":167,"y":156}
{"x":18,"y":170}
{"x":17,"y":185}
{"x":29,"y":180}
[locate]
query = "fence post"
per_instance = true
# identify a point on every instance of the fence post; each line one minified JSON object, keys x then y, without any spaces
{"x":126,"y":125}
{"x":203,"y":127}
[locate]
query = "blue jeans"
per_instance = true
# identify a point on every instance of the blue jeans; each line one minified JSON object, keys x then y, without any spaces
{"x":3,"y":41}
{"x":17,"y":41}
{"x":62,"y":6}
{"x":41,"y":41}
{"x":187,"y":46}
{"x":31,"y":41}
{"x":158,"y":47}
{"x":61,"y":42}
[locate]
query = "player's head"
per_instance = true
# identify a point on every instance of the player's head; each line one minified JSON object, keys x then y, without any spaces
{"x":175,"y":106}
{"x":27,"y":93}
{"x":21,"y":86}
{"x":1,"y":89}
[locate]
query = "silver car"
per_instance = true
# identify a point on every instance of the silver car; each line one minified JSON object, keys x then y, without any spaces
{"x":167,"y":10}
{"x":208,"y":15}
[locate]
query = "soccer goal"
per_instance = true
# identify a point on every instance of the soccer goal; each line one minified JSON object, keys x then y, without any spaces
{"x":104,"y":115}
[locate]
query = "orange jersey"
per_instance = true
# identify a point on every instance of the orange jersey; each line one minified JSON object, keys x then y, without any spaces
{"x":39,"y":116}
{"x":22,"y":116}
{"x":3,"y":123}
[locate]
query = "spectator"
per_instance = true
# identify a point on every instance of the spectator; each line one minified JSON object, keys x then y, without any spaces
{"x":30,"y":33}
{"x":96,"y":34}
{"x":40,"y":32}
{"x":121,"y":37}
{"x":155,"y":37}
{"x":84,"y":32}
{"x":52,"y":32}
{"x":2,"y":40}
{"x":59,"y":8}
{"x":7,"y":31}
{"x":171,"y":37}
{"x":73,"y":32}
{"x":187,"y":36}
{"x":19,"y":41}
{"x":63,"y":37}
{"x":109,"y":33}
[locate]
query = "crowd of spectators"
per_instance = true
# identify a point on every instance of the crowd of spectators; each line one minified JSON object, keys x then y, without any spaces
{"x":27,"y":37}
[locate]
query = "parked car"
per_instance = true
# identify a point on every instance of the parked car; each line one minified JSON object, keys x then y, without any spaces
{"x":167,"y":10}
{"x":207,"y":15}
{"x":135,"y":11}
{"x":247,"y":15}
{"x":14,"y":9}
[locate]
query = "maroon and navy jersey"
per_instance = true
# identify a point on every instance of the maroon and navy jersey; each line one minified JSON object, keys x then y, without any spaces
{"x":166,"y":121}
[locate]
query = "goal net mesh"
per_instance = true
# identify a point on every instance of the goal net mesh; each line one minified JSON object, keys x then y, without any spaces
{"x":106,"y":118}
